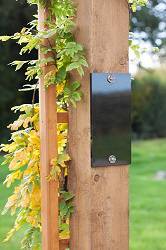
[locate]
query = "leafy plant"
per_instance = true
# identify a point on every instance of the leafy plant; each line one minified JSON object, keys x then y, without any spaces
{"x":23,"y":150}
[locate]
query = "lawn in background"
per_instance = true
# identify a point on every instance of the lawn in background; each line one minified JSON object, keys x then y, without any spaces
{"x":6,"y":221}
{"x":148,"y":196}
{"x":147,"y":199}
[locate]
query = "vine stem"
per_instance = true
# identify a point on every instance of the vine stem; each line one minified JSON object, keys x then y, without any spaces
{"x":33,"y":97}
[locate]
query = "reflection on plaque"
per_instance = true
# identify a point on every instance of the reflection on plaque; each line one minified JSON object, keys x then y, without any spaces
{"x":110,"y":119}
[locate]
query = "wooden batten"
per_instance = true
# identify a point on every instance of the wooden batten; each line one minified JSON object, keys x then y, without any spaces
{"x":62,"y":117}
{"x":48,"y":137}
{"x":64,"y":244}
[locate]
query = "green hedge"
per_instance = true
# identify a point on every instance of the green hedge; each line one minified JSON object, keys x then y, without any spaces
{"x":149,"y":104}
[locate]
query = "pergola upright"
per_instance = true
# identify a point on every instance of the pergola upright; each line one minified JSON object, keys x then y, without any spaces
{"x":100,"y":220}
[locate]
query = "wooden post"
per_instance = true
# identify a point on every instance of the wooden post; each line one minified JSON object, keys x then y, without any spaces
{"x":48,"y":138}
{"x":100,"y":221}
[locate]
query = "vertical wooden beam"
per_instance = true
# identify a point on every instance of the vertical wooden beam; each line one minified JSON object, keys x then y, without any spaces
{"x":48,"y":138}
{"x":79,"y":142}
{"x":110,"y":185}
{"x":100,"y":221}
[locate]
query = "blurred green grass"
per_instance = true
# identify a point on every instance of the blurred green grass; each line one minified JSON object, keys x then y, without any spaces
{"x":147,"y":199}
{"x":6,"y":221}
{"x":147,"y":196}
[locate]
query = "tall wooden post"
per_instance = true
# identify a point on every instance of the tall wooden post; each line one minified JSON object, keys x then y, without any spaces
{"x":100,"y":221}
{"x":48,"y":138}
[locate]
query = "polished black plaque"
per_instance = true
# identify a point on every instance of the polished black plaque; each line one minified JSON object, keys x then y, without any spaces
{"x":110,"y":119}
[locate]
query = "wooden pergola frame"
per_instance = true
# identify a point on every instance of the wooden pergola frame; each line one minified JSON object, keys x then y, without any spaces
{"x":100,"y":220}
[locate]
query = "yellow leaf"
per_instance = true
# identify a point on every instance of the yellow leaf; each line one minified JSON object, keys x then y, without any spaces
{"x":27,"y":121}
{"x":60,"y":88}
{"x":34,"y":218}
{"x":35,"y":198}
{"x":12,"y":177}
{"x":20,"y":159}
{"x":16,"y":124}
{"x":25,"y":200}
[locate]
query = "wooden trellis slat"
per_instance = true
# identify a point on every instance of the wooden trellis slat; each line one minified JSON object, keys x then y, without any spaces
{"x":48,"y":137}
{"x":63,"y":117}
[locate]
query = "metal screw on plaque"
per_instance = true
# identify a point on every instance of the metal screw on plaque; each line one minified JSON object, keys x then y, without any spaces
{"x":112,"y":159}
{"x":110,"y":78}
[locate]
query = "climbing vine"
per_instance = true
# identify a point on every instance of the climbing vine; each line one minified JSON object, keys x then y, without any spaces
{"x":22,"y":153}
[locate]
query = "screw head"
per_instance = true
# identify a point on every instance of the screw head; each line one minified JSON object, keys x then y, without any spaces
{"x":109,"y":78}
{"x":112,"y":158}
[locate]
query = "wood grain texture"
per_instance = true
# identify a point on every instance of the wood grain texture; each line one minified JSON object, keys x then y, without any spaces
{"x":64,"y":244}
{"x":48,"y":138}
{"x":109,"y":208}
{"x":62,"y":117}
{"x":79,"y":144}
{"x":109,"y":193}
{"x":100,"y":221}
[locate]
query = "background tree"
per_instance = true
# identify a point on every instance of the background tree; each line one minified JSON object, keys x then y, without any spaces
{"x":148,"y":104}
{"x":150,"y":23}
{"x":14,"y":16}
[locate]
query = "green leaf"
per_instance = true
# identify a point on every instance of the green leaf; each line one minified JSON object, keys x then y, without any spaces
{"x":5,"y":38}
{"x":72,"y":66}
{"x":73,"y":102}
{"x":83,"y":62}
{"x":67,"y":91}
{"x":64,"y":227}
{"x":18,"y":64}
{"x":47,"y":34}
{"x":75,"y":85}
{"x":67,"y":195}
{"x":76,"y":96}
{"x":61,"y":75}
{"x":80,"y":71}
